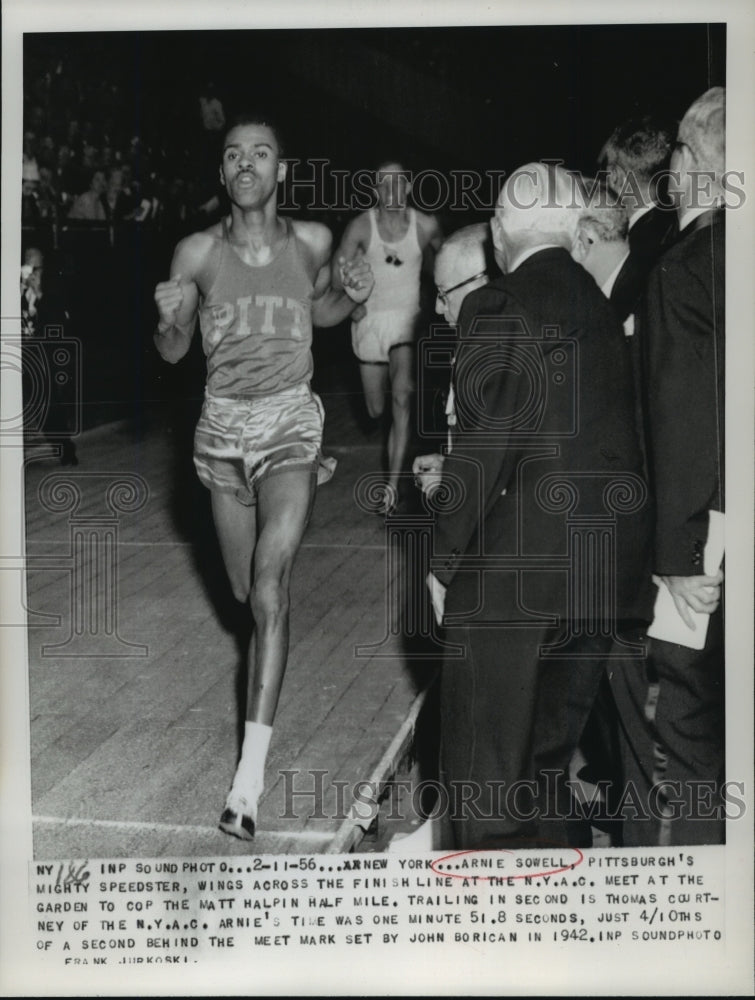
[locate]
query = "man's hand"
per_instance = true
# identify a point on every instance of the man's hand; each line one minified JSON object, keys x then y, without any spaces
{"x":168,"y":298}
{"x":427,"y":471}
{"x":701,"y":593}
{"x":437,"y":596}
{"x":356,"y":277}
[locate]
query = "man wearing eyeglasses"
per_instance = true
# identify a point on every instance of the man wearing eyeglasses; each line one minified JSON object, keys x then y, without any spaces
{"x":398,"y":242}
{"x":681,"y":330}
{"x":460,"y":267}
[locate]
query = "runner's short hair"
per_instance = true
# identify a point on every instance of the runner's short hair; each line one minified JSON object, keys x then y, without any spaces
{"x":255,"y":118}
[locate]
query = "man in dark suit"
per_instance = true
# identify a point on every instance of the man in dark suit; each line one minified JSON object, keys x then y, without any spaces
{"x":601,"y":246}
{"x":635,"y":159}
{"x":539,"y":560}
{"x":681,"y":332}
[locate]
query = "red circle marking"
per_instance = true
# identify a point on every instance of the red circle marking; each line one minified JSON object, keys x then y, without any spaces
{"x":501,"y":850}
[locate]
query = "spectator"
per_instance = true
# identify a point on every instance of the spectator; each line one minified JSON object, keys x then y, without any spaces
{"x":635,"y":158}
{"x":681,"y":332}
{"x":29,"y":149}
{"x":30,"y":213}
{"x":89,"y":206}
{"x":602,"y":248}
{"x":211,"y":110}
{"x":47,"y":196}
{"x":116,"y":203}
{"x":46,"y":154}
{"x":67,"y":178}
{"x":89,"y":157}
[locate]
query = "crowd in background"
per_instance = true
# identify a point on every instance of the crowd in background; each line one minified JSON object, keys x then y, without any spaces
{"x":87,"y":158}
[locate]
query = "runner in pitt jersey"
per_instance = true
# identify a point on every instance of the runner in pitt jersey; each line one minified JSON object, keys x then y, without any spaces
{"x":258,"y":282}
{"x":397,"y":241}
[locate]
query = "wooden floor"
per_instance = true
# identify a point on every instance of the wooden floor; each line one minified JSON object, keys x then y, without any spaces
{"x":137,"y":670}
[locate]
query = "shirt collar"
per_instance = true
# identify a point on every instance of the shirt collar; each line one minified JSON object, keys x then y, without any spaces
{"x":607,"y":286}
{"x":529,"y":252}
{"x":687,"y":217}
{"x":639,"y":212}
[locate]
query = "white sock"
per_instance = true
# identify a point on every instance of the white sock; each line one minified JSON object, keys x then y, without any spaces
{"x":249,"y":779}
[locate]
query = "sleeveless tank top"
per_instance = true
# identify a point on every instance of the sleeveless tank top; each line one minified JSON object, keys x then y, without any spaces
{"x":396,"y":267}
{"x":256,"y":323}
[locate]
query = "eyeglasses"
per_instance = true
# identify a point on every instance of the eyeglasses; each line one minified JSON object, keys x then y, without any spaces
{"x":444,"y":293}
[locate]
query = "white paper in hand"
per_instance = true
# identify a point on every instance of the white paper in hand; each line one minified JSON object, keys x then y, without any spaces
{"x":437,"y":596}
{"x":668,"y":624}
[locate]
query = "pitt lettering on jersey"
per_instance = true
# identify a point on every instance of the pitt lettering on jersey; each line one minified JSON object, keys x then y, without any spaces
{"x":256,"y":324}
{"x":269,"y":316}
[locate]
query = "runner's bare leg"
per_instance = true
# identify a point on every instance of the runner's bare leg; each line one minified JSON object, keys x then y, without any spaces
{"x":284,"y":505}
{"x":261,"y":574}
{"x":400,"y":365}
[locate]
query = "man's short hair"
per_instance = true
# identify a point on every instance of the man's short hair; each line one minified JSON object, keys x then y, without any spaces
{"x":469,"y":249}
{"x":609,"y":223}
{"x":544,"y":202}
{"x":254,"y":118}
{"x":703,"y":130}
{"x":642,"y":145}
{"x":604,"y":213}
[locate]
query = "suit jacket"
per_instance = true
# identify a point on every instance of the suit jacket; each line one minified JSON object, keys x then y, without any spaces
{"x":681,"y":324}
{"x":650,"y":234}
{"x":543,"y":398}
{"x":647,"y":238}
{"x":628,"y":286}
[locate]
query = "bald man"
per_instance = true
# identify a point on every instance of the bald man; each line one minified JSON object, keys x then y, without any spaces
{"x":545,"y":433}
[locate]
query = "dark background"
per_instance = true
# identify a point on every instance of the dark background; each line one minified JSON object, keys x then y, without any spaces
{"x":446,"y":99}
{"x":443,"y":97}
